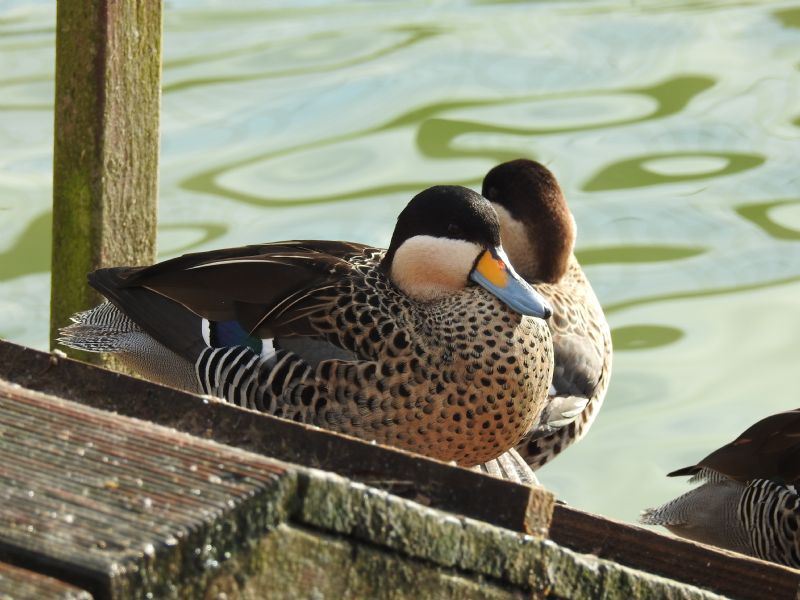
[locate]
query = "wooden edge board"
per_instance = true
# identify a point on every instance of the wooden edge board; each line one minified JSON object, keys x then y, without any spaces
{"x":22,"y":584}
{"x":60,"y":457}
{"x":723,"y":572}
{"x":424,"y":480}
{"x":116,"y":505}
{"x":427,"y":481}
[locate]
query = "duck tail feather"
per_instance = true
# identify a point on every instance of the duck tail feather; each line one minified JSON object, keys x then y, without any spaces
{"x":168,"y":322}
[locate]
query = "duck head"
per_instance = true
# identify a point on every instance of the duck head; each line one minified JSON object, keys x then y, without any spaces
{"x":447,"y":237}
{"x":536,"y":225}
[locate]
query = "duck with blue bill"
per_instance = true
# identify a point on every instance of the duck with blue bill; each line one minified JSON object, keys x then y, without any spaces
{"x":399,"y":346}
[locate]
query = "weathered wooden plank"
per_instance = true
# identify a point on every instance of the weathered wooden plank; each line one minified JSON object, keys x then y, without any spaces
{"x":427,"y":481}
{"x":21,"y":584}
{"x":108,"y":69}
{"x":723,"y":572}
{"x":363,"y":514}
{"x":305,"y":564}
{"x":117,"y":506}
{"x":128,"y":509}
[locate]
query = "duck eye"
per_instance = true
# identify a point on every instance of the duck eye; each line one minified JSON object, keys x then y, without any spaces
{"x":454,"y":230}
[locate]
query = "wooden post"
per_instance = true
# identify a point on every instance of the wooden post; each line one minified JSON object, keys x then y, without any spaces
{"x":105,"y":170}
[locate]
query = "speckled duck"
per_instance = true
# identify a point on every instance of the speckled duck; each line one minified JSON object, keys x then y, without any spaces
{"x":538,"y":231}
{"x":397,"y":346}
{"x":748,"y":501}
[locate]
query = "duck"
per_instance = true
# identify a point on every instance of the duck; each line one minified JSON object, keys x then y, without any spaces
{"x":538,"y":232}
{"x":749,"y":497}
{"x":435,"y":345}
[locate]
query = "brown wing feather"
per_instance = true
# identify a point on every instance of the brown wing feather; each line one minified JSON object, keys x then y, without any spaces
{"x":577,"y":335}
{"x":267,"y":288}
{"x":769,"y":449}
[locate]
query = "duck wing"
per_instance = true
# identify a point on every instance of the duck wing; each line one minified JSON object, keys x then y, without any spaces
{"x":579,"y":351}
{"x":578,"y":365}
{"x":578,"y":337}
{"x":268,"y":289}
{"x":769,"y":449}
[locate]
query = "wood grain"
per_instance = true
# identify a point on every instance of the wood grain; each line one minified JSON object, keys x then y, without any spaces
{"x":114,"y":505}
{"x":718,"y":570}
{"x":21,"y":584}
{"x":427,"y":481}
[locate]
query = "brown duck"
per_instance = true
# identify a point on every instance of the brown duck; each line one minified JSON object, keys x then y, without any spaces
{"x":398,"y":346}
{"x":748,"y":501}
{"x":538,"y":231}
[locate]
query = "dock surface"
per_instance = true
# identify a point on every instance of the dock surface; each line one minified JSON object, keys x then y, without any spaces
{"x":113,"y":487}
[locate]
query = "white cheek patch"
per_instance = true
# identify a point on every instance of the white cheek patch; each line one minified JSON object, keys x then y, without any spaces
{"x":517,"y":244}
{"x":426,"y":267}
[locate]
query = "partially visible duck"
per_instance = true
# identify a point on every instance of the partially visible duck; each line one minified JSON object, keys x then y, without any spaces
{"x":748,"y":501}
{"x":538,"y":231}
{"x":397,"y":346}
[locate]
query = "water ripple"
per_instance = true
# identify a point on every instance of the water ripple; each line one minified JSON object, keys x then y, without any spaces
{"x":669,"y":97}
{"x":643,"y":337}
{"x":30,"y":252}
{"x":759,"y":214}
{"x":703,"y":293}
{"x":325,"y":57}
{"x":433,"y":135}
{"x":789,"y":17}
{"x":636,"y":254}
{"x":636,"y":172}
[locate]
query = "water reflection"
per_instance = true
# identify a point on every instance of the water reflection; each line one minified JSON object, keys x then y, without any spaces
{"x":178,"y":238}
{"x":433,"y":133}
{"x":668,"y":124}
{"x":25,"y":91}
{"x":30,"y":253}
{"x":320,"y":52}
{"x":704,"y":293}
{"x":643,"y":337}
{"x":759,"y":214}
{"x":667,"y":98}
{"x":638,"y":172}
{"x":789,"y":17}
{"x":635,"y":254}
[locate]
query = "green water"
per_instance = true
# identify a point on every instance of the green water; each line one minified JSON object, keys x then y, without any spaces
{"x":673,"y":127}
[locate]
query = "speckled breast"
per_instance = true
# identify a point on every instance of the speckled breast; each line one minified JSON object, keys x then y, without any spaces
{"x":459,"y":379}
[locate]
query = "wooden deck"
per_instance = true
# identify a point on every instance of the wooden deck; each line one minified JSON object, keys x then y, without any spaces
{"x":21,"y":584}
{"x":111,"y":506}
{"x":96,"y":502}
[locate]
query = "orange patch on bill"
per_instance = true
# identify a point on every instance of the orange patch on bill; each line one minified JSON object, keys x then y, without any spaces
{"x":493,"y":269}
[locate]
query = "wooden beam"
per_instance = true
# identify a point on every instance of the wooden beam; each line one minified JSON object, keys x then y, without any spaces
{"x":723,"y":572}
{"x":125,"y":509}
{"x":118,"y":507}
{"x":22,"y":584}
{"x":105,"y":182}
{"x":427,"y":481}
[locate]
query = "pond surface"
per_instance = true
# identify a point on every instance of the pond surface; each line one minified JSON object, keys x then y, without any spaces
{"x":672,"y":125}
